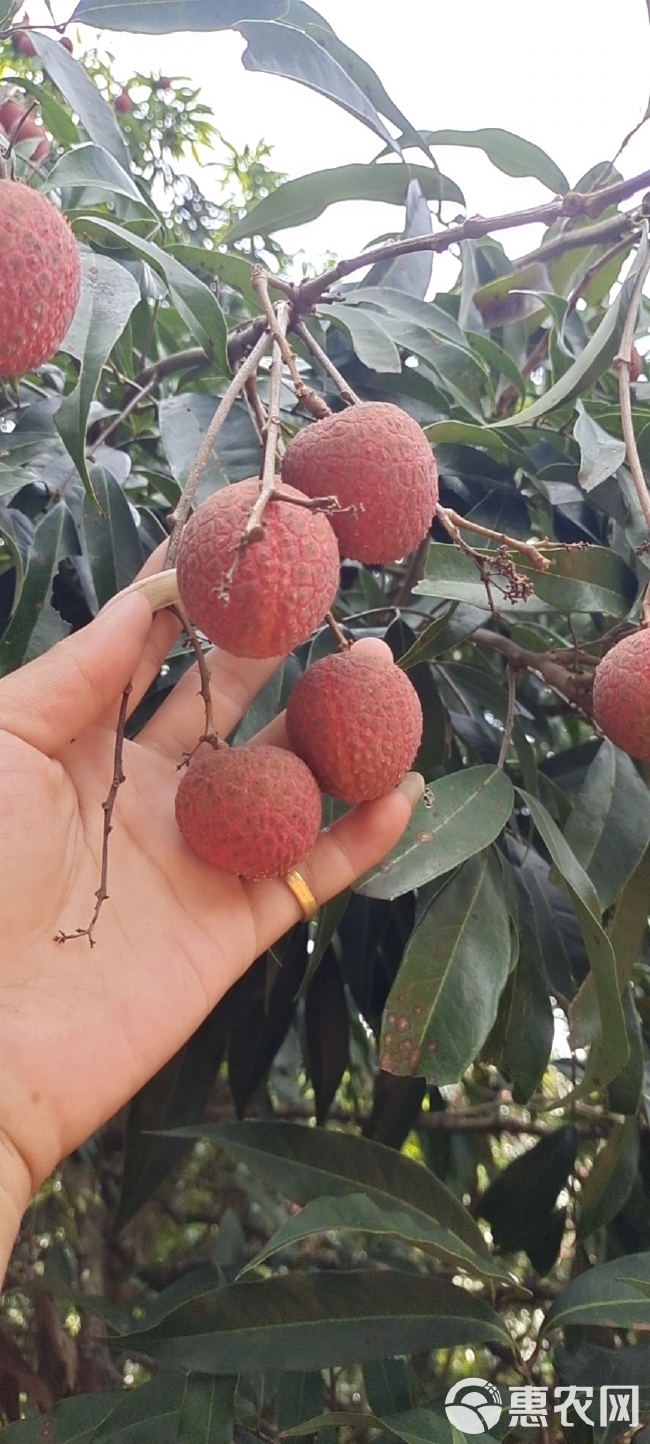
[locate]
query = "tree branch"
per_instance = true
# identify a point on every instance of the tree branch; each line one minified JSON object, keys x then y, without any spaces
{"x":621,"y":363}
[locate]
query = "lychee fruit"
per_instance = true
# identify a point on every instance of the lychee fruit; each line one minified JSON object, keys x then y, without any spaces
{"x":22,"y":43}
{"x":375,"y":459}
{"x":18,"y":127}
{"x":66,"y":42}
{"x":40,"y":278}
{"x":252,"y":811}
{"x":356,"y":721}
{"x":261,"y":600}
{"x":621,"y":697}
{"x":123,"y":103}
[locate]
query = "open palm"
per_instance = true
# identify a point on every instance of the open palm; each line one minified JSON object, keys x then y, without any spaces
{"x":81,"y":1029}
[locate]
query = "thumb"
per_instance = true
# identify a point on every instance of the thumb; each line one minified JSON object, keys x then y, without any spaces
{"x":55,"y":697}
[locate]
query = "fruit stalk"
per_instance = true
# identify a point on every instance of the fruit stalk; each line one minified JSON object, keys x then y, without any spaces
{"x":621,"y":363}
{"x":253,"y":529}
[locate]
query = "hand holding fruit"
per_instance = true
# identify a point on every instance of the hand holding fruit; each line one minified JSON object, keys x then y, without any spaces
{"x":174,"y":934}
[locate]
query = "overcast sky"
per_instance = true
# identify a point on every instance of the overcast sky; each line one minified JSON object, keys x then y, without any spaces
{"x":571,"y":75}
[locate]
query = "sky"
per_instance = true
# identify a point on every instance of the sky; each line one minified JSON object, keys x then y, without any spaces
{"x":571,"y":75}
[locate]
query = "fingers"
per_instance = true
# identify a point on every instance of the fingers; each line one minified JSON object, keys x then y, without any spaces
{"x":180,"y":721}
{"x":340,"y":855}
{"x":58,"y":695}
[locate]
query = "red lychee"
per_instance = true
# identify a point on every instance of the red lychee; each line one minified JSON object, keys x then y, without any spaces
{"x":253,"y":811}
{"x":372,"y":457}
{"x":66,"y":42}
{"x":123,"y":103}
{"x":18,"y":126}
{"x":22,"y":43}
{"x":263,"y":600}
{"x":40,"y":278}
{"x":356,"y":721}
{"x":621,"y":699}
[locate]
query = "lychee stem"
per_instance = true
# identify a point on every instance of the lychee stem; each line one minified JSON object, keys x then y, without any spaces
{"x":344,"y":644}
{"x":312,"y":403}
{"x":328,"y":366}
{"x":253,"y":529}
{"x":247,"y":368}
{"x":621,"y":364}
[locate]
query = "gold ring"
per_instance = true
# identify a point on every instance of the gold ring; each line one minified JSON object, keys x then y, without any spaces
{"x":302,"y":893}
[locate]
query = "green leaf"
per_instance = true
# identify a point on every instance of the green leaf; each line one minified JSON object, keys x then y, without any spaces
{"x":626,"y":1090}
{"x":194,"y":301}
{"x":96,"y":115}
{"x":520,"y":1203}
{"x":302,"y":1163}
{"x":318,"y":1321}
{"x":71,"y":1421}
{"x":229,"y":270}
{"x":462,"y":814}
{"x":35,"y":626}
{"x":609,"y":827}
{"x":600,"y":454}
{"x":610,"y":1182}
{"x":528,"y":1024}
{"x":307,"y":19}
{"x":596,"y":358}
{"x":605,"y":1295}
{"x":444,"y":999}
{"x":108,"y":297}
{"x":467,"y":433}
{"x":357,"y":1213}
{"x":284,"y":50}
{"x":371,"y":344}
{"x":147,"y":1415}
{"x":305,"y":198}
{"x":613,"y":1038}
{"x":589,"y":579}
{"x":161,"y":17}
{"x":327,"y":1033}
{"x":510,"y":153}
{"x":207,"y":1410}
{"x":91,"y":165}
{"x":410,"y":273}
{"x":110,"y":540}
{"x":625,"y":934}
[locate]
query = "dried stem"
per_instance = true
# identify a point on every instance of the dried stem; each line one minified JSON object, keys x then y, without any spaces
{"x":510,"y":716}
{"x":107,"y":806}
{"x":123,"y":416}
{"x":453,"y":521}
{"x":323,"y":359}
{"x":247,"y":368}
{"x":253,"y":529}
{"x":255,"y":409}
{"x":312,"y":403}
{"x":343,"y":643}
{"x":622,"y":362}
{"x":210,"y":733}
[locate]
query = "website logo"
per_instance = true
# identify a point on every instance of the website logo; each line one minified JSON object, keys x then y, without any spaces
{"x":474,"y":1406}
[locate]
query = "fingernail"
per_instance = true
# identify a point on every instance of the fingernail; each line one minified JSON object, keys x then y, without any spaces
{"x":412,"y":786}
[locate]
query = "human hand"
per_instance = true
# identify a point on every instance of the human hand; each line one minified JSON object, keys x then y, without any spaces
{"x":82,"y":1030}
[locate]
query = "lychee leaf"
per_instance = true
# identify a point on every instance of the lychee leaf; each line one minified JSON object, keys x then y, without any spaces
{"x":108,"y":296}
{"x":589,"y":579}
{"x":464,"y":812}
{"x":207,"y":1410}
{"x":609,"y":828}
{"x":160,"y":17}
{"x":68,"y":74}
{"x":444,"y":1000}
{"x":111,"y":541}
{"x":91,"y":165}
{"x":35,"y":626}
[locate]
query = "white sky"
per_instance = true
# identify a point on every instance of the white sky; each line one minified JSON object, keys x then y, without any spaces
{"x":571,"y":75}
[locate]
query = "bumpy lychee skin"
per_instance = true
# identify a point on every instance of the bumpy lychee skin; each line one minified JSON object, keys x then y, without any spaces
{"x":252,"y":811}
{"x":621,"y":699}
{"x":280,"y":587}
{"x":356,"y":721}
{"x":372,"y":457}
{"x":40,"y":278}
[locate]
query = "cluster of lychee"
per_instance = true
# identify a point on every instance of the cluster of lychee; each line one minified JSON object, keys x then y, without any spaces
{"x":353,"y":720}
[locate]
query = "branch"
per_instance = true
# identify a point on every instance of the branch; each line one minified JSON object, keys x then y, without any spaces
{"x":574,"y":688}
{"x":510,"y":716}
{"x":346,"y":392}
{"x":312,"y":403}
{"x":621,"y":363}
{"x":572,"y":205}
{"x":247,"y":368}
{"x":615,"y":229}
{"x":253,"y":529}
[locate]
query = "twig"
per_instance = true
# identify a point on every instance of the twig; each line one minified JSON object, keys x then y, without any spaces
{"x":529,"y":550}
{"x":253,"y":530}
{"x":167,"y":365}
{"x":210,"y":733}
{"x":323,"y":359}
{"x":312,"y":403}
{"x":591,"y":272}
{"x":510,"y":716}
{"x":616,"y":228}
{"x":247,"y":368}
{"x":255,"y":409}
{"x":343,"y":643}
{"x":123,"y":416}
{"x":560,"y":679}
{"x":621,"y":363}
{"x":107,"y":806}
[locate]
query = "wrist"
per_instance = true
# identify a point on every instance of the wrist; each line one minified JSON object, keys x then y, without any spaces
{"x":15,"y":1192}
